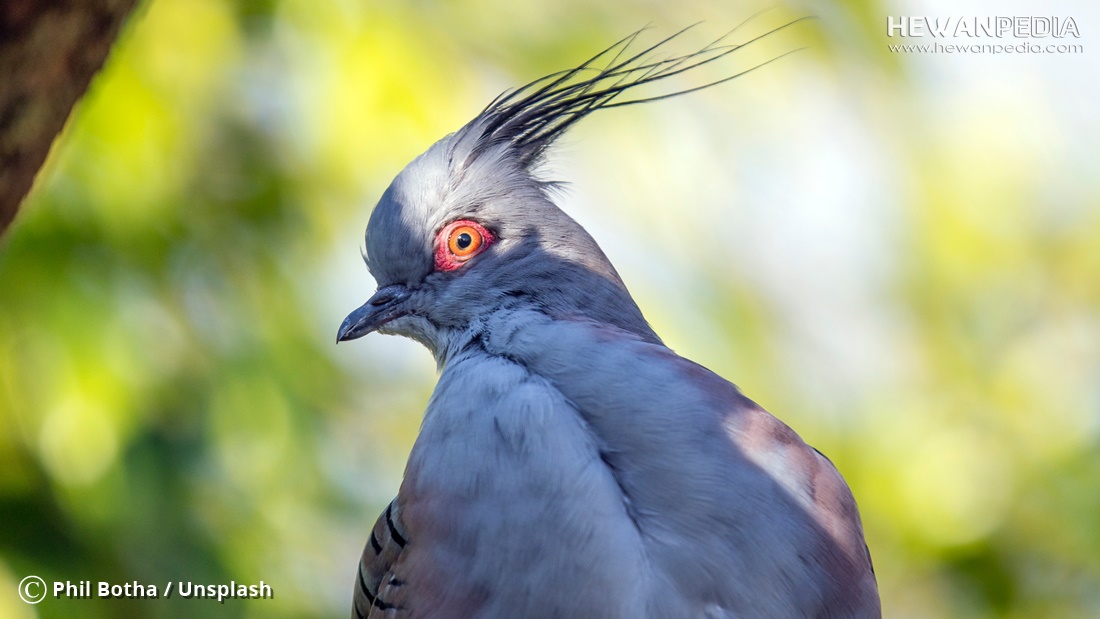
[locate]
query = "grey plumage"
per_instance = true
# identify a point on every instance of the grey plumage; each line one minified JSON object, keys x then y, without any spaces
{"x":569,"y":464}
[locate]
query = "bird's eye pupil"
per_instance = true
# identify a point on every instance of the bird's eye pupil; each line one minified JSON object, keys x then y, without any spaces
{"x":464,"y":240}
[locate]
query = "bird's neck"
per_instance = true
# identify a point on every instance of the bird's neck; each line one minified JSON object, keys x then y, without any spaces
{"x":604,"y":304}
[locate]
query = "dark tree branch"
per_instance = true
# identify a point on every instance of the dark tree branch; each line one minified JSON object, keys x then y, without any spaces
{"x":49,"y":51}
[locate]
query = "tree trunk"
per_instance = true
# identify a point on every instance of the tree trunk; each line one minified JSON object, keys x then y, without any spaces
{"x":49,"y":51}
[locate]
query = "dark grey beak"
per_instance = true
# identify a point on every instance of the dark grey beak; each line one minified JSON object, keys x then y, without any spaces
{"x":386,"y":304}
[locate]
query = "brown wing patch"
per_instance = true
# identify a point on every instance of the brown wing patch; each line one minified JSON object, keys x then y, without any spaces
{"x":807,"y":475}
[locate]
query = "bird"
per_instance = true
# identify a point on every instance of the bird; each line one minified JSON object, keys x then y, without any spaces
{"x":569,"y":464}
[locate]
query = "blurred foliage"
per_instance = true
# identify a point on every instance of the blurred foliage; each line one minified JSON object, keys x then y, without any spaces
{"x":898,"y":255}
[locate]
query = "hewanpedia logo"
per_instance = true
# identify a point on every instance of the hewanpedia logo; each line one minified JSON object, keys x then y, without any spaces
{"x":1017,"y":27}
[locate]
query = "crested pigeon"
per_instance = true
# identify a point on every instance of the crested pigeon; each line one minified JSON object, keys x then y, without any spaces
{"x":569,"y":464}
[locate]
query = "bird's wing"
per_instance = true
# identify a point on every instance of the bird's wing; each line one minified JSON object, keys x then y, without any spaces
{"x":818,"y":489}
{"x":379,"y":590}
{"x":737,"y":510}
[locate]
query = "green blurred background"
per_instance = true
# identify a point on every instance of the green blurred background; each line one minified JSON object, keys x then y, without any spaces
{"x":897,"y":254}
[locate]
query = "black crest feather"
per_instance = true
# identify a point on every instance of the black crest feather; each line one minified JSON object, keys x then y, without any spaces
{"x":532,"y":117}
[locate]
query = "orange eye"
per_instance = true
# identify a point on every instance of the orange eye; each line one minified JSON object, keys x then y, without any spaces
{"x":464,"y":241}
{"x":458,"y":242}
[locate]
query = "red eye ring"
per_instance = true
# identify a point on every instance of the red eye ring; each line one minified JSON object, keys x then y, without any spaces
{"x":460,"y":241}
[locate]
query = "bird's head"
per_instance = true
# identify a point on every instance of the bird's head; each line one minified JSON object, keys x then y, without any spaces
{"x":468,"y":229}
